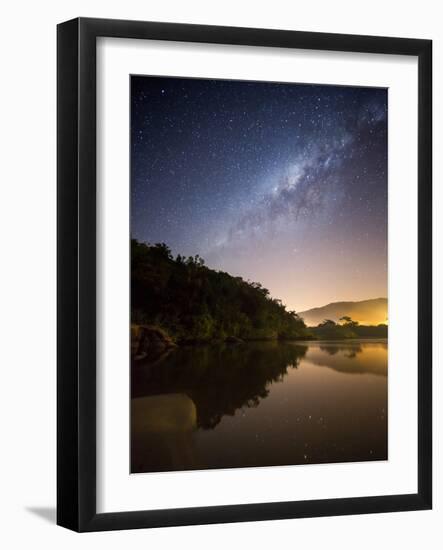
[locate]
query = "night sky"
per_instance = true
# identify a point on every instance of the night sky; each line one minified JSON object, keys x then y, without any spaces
{"x":283,"y":184}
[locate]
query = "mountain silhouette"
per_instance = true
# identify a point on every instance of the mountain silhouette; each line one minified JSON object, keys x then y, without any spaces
{"x":366,"y":312}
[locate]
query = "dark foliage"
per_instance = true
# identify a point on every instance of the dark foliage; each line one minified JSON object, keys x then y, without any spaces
{"x":196,"y":304}
{"x":329,"y":330}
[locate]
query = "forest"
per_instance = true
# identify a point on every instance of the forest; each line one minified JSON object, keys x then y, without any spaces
{"x":194,"y":304}
{"x":347,"y":328}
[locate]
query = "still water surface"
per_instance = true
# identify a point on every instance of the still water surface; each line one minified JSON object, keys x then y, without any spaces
{"x":260,"y":404}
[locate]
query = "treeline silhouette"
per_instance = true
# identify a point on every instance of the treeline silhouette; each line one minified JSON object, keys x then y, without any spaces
{"x":347,"y":328}
{"x":196,"y":304}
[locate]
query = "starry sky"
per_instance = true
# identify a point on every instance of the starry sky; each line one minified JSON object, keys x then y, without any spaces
{"x":283,"y":184}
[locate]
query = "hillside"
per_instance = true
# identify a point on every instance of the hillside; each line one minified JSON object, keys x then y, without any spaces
{"x":366,"y":312}
{"x":193,"y":303}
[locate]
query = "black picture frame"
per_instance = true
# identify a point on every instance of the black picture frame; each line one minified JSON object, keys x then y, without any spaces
{"x":76,"y":264}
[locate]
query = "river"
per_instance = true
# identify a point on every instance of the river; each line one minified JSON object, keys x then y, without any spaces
{"x":260,"y":404}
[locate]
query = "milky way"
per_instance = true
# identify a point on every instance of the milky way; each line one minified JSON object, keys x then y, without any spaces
{"x":285,"y":184}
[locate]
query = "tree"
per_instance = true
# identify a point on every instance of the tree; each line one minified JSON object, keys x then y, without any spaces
{"x":163,"y":249}
{"x":348,"y":322}
{"x":327,"y":323}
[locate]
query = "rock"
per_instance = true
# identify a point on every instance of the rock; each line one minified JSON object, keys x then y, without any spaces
{"x":162,"y":429}
{"x":148,"y":341}
{"x":233,"y":340}
{"x":173,"y":412}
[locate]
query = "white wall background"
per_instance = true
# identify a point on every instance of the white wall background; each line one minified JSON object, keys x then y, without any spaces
{"x":27,"y":275}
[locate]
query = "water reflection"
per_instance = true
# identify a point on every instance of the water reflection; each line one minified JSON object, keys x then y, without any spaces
{"x":260,"y":404}
{"x":349,"y":349}
{"x":219,"y":379}
{"x":352,"y":357}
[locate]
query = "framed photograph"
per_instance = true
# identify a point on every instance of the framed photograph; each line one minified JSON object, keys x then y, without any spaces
{"x":244,"y":274}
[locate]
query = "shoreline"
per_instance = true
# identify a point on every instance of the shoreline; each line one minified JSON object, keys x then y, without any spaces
{"x":279,"y":341}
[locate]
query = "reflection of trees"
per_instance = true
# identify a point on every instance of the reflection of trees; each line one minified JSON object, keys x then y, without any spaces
{"x":219,"y":379}
{"x":349,"y":350}
{"x":351,"y":358}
